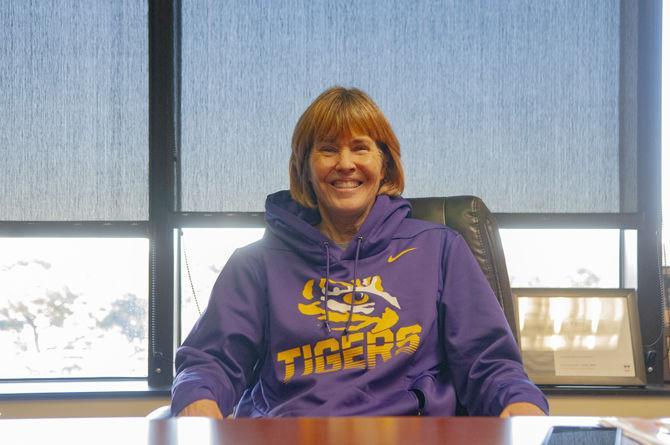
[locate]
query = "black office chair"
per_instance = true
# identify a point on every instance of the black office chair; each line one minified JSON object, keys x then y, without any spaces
{"x":472,"y":219}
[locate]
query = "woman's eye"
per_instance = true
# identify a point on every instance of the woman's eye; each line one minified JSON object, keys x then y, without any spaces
{"x":328,"y":149}
{"x":361,"y":148}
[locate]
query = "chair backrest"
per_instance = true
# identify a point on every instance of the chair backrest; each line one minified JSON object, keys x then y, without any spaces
{"x":472,"y":219}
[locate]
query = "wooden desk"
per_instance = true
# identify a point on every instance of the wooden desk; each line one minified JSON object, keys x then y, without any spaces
{"x":298,"y":431}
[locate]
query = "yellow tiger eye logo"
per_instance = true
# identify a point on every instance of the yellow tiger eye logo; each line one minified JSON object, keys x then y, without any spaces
{"x":373,"y":308}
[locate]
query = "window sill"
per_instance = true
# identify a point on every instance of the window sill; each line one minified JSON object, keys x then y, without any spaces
{"x":110,"y":388}
{"x":79,"y":389}
{"x":649,"y":390}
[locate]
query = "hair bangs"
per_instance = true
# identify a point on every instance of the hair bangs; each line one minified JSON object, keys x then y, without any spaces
{"x":346,"y":117}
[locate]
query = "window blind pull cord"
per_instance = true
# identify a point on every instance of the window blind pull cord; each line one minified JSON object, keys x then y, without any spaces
{"x":188,"y":274}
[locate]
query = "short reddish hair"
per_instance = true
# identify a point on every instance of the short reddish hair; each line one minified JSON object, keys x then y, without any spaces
{"x":341,"y":111}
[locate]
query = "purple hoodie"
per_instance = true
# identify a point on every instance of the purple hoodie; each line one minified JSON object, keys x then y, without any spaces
{"x":425,"y":331}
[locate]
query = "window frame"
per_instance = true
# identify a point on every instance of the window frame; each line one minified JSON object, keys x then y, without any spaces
{"x":165,"y":217}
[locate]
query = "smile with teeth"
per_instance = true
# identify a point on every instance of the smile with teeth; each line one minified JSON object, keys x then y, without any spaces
{"x":348,"y":184}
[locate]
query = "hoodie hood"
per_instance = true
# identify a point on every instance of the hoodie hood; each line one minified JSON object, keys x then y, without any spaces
{"x":295,"y":225}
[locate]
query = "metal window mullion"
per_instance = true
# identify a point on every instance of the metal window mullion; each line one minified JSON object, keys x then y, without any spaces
{"x":649,"y":183}
{"x":162,"y":148}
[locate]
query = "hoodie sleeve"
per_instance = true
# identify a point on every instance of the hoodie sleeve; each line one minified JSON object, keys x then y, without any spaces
{"x":217,"y":359}
{"x":482,"y":355}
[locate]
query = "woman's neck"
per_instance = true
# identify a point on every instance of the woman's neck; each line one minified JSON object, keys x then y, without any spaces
{"x":341,"y":230}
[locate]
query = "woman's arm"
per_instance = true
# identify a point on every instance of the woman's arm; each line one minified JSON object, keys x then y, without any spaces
{"x":481,"y":353}
{"x":217,"y":359}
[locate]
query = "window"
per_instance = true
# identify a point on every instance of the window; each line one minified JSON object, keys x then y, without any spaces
{"x":562,"y":257}
{"x":74,"y":307}
{"x":74,"y":252}
{"x":534,"y":107}
{"x":545,"y":110}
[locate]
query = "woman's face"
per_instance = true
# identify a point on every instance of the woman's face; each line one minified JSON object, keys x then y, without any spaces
{"x":346,"y":175}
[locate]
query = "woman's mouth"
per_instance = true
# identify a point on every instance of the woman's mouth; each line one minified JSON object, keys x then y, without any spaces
{"x":346,"y":184}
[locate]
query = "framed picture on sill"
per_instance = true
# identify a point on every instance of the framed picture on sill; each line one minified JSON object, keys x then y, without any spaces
{"x":580,"y":336}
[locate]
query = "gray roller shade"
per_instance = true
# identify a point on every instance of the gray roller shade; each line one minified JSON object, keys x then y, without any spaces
{"x":73,"y":110}
{"x":527,"y":104}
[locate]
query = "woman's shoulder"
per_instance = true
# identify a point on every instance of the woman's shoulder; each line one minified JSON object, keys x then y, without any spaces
{"x":256,"y":250}
{"x":248,"y":255}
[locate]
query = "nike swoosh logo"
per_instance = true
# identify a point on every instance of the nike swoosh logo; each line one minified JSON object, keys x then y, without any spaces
{"x":392,"y":258}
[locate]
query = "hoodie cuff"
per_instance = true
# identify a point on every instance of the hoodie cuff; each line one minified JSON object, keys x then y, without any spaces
{"x":184,"y":397}
{"x":536,"y":399}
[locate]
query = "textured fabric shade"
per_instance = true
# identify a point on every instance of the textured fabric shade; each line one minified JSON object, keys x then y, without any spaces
{"x":523,"y":103}
{"x":73,"y":110}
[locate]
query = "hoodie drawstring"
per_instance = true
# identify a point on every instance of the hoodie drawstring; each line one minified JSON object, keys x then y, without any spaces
{"x":353,"y":294}
{"x":325,"y":244}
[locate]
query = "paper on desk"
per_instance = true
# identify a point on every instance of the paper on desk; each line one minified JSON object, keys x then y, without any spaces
{"x":643,"y":431}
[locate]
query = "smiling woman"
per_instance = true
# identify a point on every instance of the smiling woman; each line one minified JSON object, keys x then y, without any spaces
{"x":353,"y":156}
{"x":348,"y":306}
{"x":348,"y":114}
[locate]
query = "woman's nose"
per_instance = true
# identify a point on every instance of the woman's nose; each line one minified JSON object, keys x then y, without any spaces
{"x":345,"y":160}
